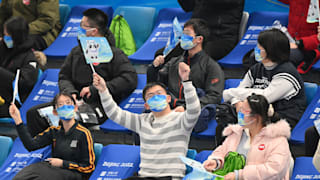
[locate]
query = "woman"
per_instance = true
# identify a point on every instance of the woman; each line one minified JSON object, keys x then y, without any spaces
{"x":16,"y":53}
{"x":261,"y":137}
{"x":72,"y":146}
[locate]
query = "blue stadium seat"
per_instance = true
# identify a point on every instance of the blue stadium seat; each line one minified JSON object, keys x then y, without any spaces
{"x":5,"y":144}
{"x":191,"y":153}
{"x":140,"y":20}
{"x":160,"y":34}
{"x":316,"y":66}
{"x":311,"y":113}
{"x":257,"y":22}
{"x":243,"y":24}
{"x":64,"y":10}
{"x":209,"y":133}
{"x":304,"y":169}
{"x":117,"y":161}
{"x":203,"y":155}
{"x":20,"y":157}
{"x":231,"y":83}
{"x":134,"y":103}
{"x":67,"y":38}
{"x":97,"y":151}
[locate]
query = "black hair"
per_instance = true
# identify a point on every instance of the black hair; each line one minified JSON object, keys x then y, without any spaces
{"x":97,"y":19}
{"x":18,"y":29}
{"x":63,"y":93}
{"x":200,"y":27}
{"x":150,"y":85}
{"x":276,"y":44}
{"x":259,"y":105}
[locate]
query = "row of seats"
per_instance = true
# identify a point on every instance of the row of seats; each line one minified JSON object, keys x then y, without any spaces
{"x":117,"y":161}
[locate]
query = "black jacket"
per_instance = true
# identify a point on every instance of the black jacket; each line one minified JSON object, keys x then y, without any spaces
{"x":75,"y":147}
{"x":205,"y":74}
{"x":19,"y":57}
{"x":119,"y":74}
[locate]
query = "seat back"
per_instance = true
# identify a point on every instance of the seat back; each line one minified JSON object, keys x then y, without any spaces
{"x":97,"y":151}
{"x":304,"y":169}
{"x":203,"y":155}
{"x":20,"y":157}
{"x":5,"y":144}
{"x":191,"y":153}
{"x":67,"y":38}
{"x":159,"y":35}
{"x":310,"y":90}
{"x":140,"y":20}
{"x":117,"y":161}
{"x":64,"y":11}
{"x":243,"y":24}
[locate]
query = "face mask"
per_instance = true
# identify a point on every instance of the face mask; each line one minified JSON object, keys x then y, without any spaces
{"x":66,"y":112}
{"x":8,"y":41}
{"x":257,"y":55}
{"x":241,"y":121}
{"x":81,"y":32}
{"x":186,"y":42}
{"x":157,"y":102}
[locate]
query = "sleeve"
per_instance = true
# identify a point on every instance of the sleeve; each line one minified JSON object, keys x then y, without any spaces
{"x":275,"y":166}
{"x":5,"y":13}
{"x":152,"y":73}
{"x":65,"y":75}
{"x":48,"y":16}
{"x":316,"y":158}
{"x":86,"y":164}
{"x":187,"y":5}
{"x":127,"y":119}
{"x":39,"y":141}
{"x":123,"y":74}
{"x":247,"y":82}
{"x":193,"y":108}
{"x":29,"y":73}
{"x":282,"y":86}
{"x":214,"y":85}
{"x":310,"y":42}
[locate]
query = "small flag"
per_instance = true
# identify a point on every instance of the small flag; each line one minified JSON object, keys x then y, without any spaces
{"x":313,"y":12}
{"x":15,"y":88}
{"x":174,"y":38}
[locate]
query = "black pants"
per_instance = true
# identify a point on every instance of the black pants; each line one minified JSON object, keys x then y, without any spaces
{"x":311,"y":137}
{"x":43,"y":170}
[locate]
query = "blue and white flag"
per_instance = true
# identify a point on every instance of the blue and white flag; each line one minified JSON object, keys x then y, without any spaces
{"x":174,"y":38}
{"x":313,"y":12}
{"x":15,"y":88}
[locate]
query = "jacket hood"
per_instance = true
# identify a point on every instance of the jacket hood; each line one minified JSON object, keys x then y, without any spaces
{"x":280,"y":128}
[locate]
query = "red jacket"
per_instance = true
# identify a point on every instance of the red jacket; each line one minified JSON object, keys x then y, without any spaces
{"x":298,"y":26}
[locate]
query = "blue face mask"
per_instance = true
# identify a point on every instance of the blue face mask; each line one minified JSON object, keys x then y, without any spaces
{"x":257,"y":55}
{"x":158,"y":102}
{"x":66,"y":112}
{"x":8,"y":41}
{"x":81,"y":32}
{"x":241,"y":121}
{"x":186,"y":42}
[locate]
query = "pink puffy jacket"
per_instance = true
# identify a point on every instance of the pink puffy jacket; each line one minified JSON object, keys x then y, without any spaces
{"x":269,"y":154}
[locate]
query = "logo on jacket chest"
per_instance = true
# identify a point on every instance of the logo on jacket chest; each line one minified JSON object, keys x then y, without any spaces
{"x":261,"y":147}
{"x":73,"y":143}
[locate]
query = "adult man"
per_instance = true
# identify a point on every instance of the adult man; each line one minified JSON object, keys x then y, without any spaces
{"x":205,"y":73}
{"x":164,"y":134}
{"x":75,"y":74}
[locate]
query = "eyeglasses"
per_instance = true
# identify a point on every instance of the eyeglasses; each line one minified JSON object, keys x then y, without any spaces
{"x":151,"y":94}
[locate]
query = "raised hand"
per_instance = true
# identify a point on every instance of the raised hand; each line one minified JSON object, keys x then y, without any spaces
{"x":184,"y":71}
{"x":15,"y":113}
{"x":158,"y":61}
{"x":99,"y":82}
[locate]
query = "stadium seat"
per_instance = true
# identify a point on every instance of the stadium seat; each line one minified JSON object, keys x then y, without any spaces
{"x":304,"y":169}
{"x":243,"y":24}
{"x":117,"y":161}
{"x":191,"y":153}
{"x":67,"y":38}
{"x":257,"y":22}
{"x":64,"y":10}
{"x":20,"y":157}
{"x":203,"y":155}
{"x":134,"y":103}
{"x":311,"y":113}
{"x":316,"y":66}
{"x":5,"y":144}
{"x":97,"y":151}
{"x":140,"y":20}
{"x":159,"y":35}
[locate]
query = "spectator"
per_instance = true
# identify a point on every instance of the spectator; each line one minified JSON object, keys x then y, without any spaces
{"x":274,"y":77}
{"x":164,"y":134}
{"x":16,"y":53}
{"x":223,"y":19}
{"x":75,"y":74}
{"x":42,"y":16}
{"x":261,"y":138}
{"x":72,"y":147}
{"x":311,"y":137}
{"x":206,"y":74}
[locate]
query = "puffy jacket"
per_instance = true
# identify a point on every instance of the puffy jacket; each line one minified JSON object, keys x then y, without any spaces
{"x":19,"y":57}
{"x":269,"y":154}
{"x":42,"y":15}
